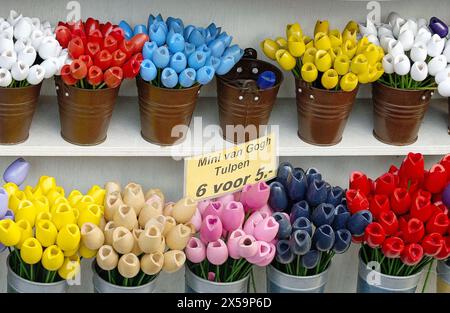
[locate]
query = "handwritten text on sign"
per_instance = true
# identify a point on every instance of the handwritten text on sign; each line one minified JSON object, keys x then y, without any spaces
{"x":213,"y":174}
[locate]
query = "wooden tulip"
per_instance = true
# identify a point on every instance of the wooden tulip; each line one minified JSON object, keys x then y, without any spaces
{"x":178,"y":237}
{"x":155,"y":192}
{"x":111,"y":187}
{"x":113,"y":201}
{"x":184,"y":209}
{"x":136,"y":234}
{"x":108,"y":232}
{"x":151,"y":264}
{"x":168,"y":208}
{"x":129,"y":265}
{"x":169,"y":224}
{"x":158,"y":221}
{"x":150,"y":239}
{"x":126,"y":217}
{"x":92,"y":236}
{"x":133,"y":196}
{"x":162,"y":246}
{"x":192,"y":228}
{"x":152,"y":208}
{"x":173,"y":261}
{"x":102,"y":223}
{"x":123,"y":240}
{"x":107,"y":258}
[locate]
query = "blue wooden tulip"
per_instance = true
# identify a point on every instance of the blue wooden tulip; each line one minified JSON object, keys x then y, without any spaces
{"x":302,"y":223}
{"x":213,"y":61}
{"x":335,"y":195}
{"x":343,"y":240}
{"x":161,"y":57}
{"x":178,"y":62}
{"x":196,"y":37}
{"x":284,"y":252}
{"x":3,"y":203}
{"x":284,"y":170}
{"x":317,"y":193}
{"x":150,"y":20}
{"x":187,"y":32}
{"x":197,"y":60}
{"x":323,"y":214}
{"x":341,"y":216}
{"x":9,"y":215}
{"x":300,"y":242}
{"x":297,"y":186}
{"x":285,"y":227}
{"x":217,"y":47}
{"x":157,"y":34}
{"x":358,"y":222}
{"x":344,"y":202}
{"x":311,"y":259}
{"x":188,"y":49}
{"x":176,"y":43}
{"x":140,"y":29}
{"x":187,"y":77}
{"x":235,"y":51}
{"x":126,"y":29}
{"x":225,"y":38}
{"x":169,"y":77}
{"x":213,"y":30}
{"x":278,"y":199}
{"x":17,"y":172}
{"x":148,"y":50}
{"x":159,"y":18}
{"x":226,"y":64}
{"x":205,"y":74}
{"x":204,"y":48}
{"x":300,"y":209}
{"x":323,"y":238}
{"x":266,"y":80}
{"x":148,"y":70}
{"x":176,"y":24}
{"x":313,"y":174}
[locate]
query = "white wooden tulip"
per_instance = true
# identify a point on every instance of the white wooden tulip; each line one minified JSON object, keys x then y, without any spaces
{"x":46,"y":25}
{"x":2,"y":20}
{"x":19,"y":71}
{"x":373,"y":39}
{"x":385,"y":30}
{"x":23,"y":29}
{"x":402,"y":65}
{"x":444,"y":88}
{"x":406,"y":37}
{"x":48,"y":32}
{"x":6,"y":27}
{"x":422,"y":22}
{"x":423,"y":35}
{"x":5,"y":77}
{"x":14,"y":17}
{"x":386,"y":42}
{"x":446,"y":51}
{"x":27,"y":56}
{"x":49,"y":48}
{"x":36,"y":38}
{"x":437,"y":64}
{"x":388,"y":64}
{"x":418,"y":52}
{"x":7,"y":59}
{"x":6,"y":42}
{"x":62,"y":59}
{"x":409,"y":25}
{"x":435,"y":45}
{"x":442,"y":75}
{"x":51,"y":67}
{"x":368,"y":29}
{"x":396,"y":48}
{"x":396,"y":27}
{"x":36,"y":23}
{"x":36,"y":75}
{"x":21,"y":44}
{"x":392,"y":18}
{"x":419,"y":71}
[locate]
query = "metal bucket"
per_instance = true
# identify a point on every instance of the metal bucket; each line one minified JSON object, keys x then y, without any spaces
{"x":371,"y":281}
{"x":443,"y":277}
{"x":279,"y":282}
{"x":195,"y":284}
{"x":17,"y":284}
{"x":102,"y":286}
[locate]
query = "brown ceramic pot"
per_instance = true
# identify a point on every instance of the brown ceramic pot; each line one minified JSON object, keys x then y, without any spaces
{"x":163,"y":109}
{"x":398,"y":113}
{"x":242,"y":106}
{"x":85,"y":113}
{"x":322,"y":114}
{"x":17,"y":107}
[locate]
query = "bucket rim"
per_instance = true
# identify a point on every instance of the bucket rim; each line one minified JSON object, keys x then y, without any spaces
{"x":192,"y":88}
{"x":377,"y":83}
{"x":22,"y":88}
{"x":355,"y":91}
{"x":58,"y":79}
{"x":188,"y":270}
{"x":272,"y":268}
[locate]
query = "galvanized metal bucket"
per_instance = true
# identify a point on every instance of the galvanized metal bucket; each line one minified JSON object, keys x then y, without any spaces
{"x":279,"y":282}
{"x":102,"y":286}
{"x":17,"y":284}
{"x":371,"y":281}
{"x":195,"y":284}
{"x":443,"y":277}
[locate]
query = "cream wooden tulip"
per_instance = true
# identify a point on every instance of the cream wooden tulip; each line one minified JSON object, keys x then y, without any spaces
{"x":102,"y":223}
{"x":123,"y":240}
{"x":151,"y":264}
{"x":155,"y":192}
{"x":150,"y":240}
{"x":169,"y":224}
{"x":173,"y":261}
{"x":133,"y":196}
{"x":136,"y":249}
{"x":151,"y":209}
{"x":92,"y":236}
{"x":162,"y":246}
{"x":129,"y":265}
{"x":126,"y":217}
{"x":108,"y":232}
{"x":192,"y":228}
{"x":168,"y":208}
{"x":158,"y":221}
{"x":112,"y":186}
{"x":107,"y":259}
{"x":113,"y":201}
{"x":178,"y":237}
{"x":184,"y":209}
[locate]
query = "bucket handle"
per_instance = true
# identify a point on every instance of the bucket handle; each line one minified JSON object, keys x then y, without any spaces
{"x":62,"y":87}
{"x":250,"y":53}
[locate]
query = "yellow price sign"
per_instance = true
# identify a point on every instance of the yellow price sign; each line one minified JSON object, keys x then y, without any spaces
{"x":217,"y":173}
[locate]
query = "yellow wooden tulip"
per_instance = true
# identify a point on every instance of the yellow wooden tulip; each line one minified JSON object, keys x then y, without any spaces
{"x":362,"y":45}
{"x":74,"y":197}
{"x":43,"y":216}
{"x":350,"y":35}
{"x":364,"y":77}
{"x":68,"y":237}
{"x":285,"y":59}
{"x":330,"y":79}
{"x":70,"y":268}
{"x":32,"y":192}
{"x":349,"y":49}
{"x":380,"y":53}
{"x":342,"y":64}
{"x":309,"y":72}
{"x":322,"y":27}
{"x":372,"y":54}
{"x":359,"y":64}
{"x":269,"y":47}
{"x":31,"y":251}
{"x":46,"y":233}
{"x":334,"y":52}
{"x":47,"y":183}
{"x":10,"y":233}
{"x":10,"y":188}
{"x":335,"y":38}
{"x":352,"y":26}
{"x":379,"y":71}
{"x":26,"y":211}
{"x":52,"y":258}
{"x":98,"y":194}
{"x":41,"y":204}
{"x":15,"y":199}
{"x":296,"y":46}
{"x":52,"y":195}
{"x":92,"y":214}
{"x":282,"y":42}
{"x":322,"y":61}
{"x":25,"y":232}
{"x":309,"y":56}
{"x":59,"y":200}
{"x":322,"y":41}
{"x":85,"y":202}
{"x":349,"y":82}
{"x":85,"y":252}
{"x":294,"y":29}
{"x":63,"y":215}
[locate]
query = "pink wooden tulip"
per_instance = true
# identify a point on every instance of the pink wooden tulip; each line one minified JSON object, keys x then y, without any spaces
{"x":226,"y":199}
{"x":269,"y":257}
{"x":267,"y":229}
{"x":255,"y":196}
{"x":217,"y":252}
{"x":214,"y":208}
{"x":237,"y":196}
{"x":247,"y":246}
{"x":233,"y":216}
{"x":252,"y":221}
{"x":266,"y":210}
{"x":263,"y":250}
{"x":195,"y":250}
{"x":233,"y":243}
{"x":202,"y":205}
{"x":211,"y":229}
{"x":196,"y":220}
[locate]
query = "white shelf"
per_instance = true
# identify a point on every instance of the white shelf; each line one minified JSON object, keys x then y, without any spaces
{"x":124,"y":137}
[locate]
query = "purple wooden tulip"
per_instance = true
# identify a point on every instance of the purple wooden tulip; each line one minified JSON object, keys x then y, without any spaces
{"x":341,"y":216}
{"x":358,"y":222}
{"x":17,"y":172}
{"x":300,"y":242}
{"x":284,"y":170}
{"x":438,"y":27}
{"x":302,"y":223}
{"x":335,"y":196}
{"x":278,"y":199}
{"x":3,"y":202}
{"x":311,"y":259}
{"x":446,"y":195}
{"x":284,"y":252}
{"x":323,"y":238}
{"x":323,"y":214}
{"x":313,"y":174}
{"x":285,"y":227}
{"x":300,"y":209}
{"x":297,"y":186}
{"x":9,"y":215}
{"x":317,"y":193}
{"x":343,"y":239}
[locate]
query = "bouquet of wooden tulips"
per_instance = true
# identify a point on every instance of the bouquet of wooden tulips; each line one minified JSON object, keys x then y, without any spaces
{"x":417,"y":52}
{"x":236,"y":231}
{"x":315,"y":222}
{"x":332,"y":60}
{"x":29,"y":52}
{"x":143,"y":235}
{"x":410,"y":206}
{"x":46,"y":232}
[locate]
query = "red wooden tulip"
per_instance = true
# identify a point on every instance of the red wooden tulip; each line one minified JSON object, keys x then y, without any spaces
{"x":422,"y":209}
{"x":392,"y":247}
{"x":96,"y":36}
{"x":63,"y":35}
{"x":87,"y":60}
{"x":374,"y":235}
{"x":356,"y":201}
{"x":131,"y":68}
{"x":435,"y":179}
{"x":445,"y":162}
{"x":385,"y":184}
{"x":113,"y":77}
{"x":358,"y":239}
{"x":138,"y":42}
{"x":90,"y":25}
{"x":93,"y":48}
{"x":118,"y":33}
{"x":95,"y":76}
{"x":413,"y":167}
{"x":412,"y":254}
{"x":360,"y":181}
{"x":103,"y":60}
{"x":75,"y":26}
{"x":76,"y":48}
{"x":439,"y":223}
{"x":106,"y":28}
{"x":388,"y":220}
{"x":110,"y":43}
{"x":432,"y":244}
{"x":400,"y":201}
{"x":421,"y":193}
{"x":66,"y":75}
{"x":412,"y":231}
{"x":379,"y":204}
{"x":127,"y":47}
{"x":78,"y":69}
{"x":445,"y":251}
{"x":118,"y":58}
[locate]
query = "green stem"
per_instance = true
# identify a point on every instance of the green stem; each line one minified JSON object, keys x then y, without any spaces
{"x":125,"y":282}
{"x":217,"y":274}
{"x":428,"y":276}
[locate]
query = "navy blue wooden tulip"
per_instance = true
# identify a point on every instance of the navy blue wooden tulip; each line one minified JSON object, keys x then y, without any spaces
{"x":284,"y":170}
{"x":342,"y":241}
{"x":341,"y":216}
{"x":285,"y":227}
{"x":358,"y":222}
{"x":323,"y":214}
{"x":344,"y":202}
{"x":278,"y":199}
{"x":323,"y":238}
{"x":284,"y":252}
{"x":335,"y":196}
{"x":300,"y":242}
{"x":297,"y":186}
{"x":313,"y":174}
{"x":266,"y":80}
{"x":302,"y":223}
{"x":300,"y":209}
{"x":317,"y":193}
{"x":311,"y":259}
